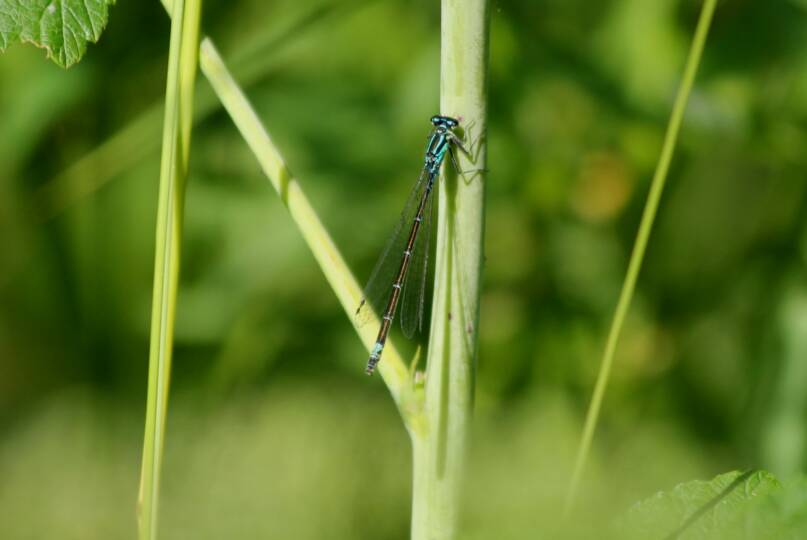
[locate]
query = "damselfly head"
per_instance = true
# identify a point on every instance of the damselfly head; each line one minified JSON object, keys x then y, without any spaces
{"x":444,"y":121}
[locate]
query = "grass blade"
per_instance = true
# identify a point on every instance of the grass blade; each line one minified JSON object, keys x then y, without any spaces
{"x":182,"y":63}
{"x":637,"y":255}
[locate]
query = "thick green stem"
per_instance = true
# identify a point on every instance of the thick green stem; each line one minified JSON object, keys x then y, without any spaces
{"x":439,"y":442}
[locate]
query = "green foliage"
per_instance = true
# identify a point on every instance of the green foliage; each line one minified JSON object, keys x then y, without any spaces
{"x":732,"y":506}
{"x":61,"y":27}
{"x":782,"y":515}
{"x":700,"y":510}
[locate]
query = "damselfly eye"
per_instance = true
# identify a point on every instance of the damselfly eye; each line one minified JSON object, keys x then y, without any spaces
{"x":446,"y":121}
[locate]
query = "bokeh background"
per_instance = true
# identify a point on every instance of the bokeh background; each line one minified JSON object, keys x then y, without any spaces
{"x":274,"y":431}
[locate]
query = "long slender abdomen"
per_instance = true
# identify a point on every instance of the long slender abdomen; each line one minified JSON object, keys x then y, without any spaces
{"x":392,"y":303}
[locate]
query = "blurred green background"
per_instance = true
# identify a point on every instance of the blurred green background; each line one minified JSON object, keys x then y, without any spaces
{"x":274,"y":431}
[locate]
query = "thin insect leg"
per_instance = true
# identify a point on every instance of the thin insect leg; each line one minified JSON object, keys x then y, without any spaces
{"x":458,"y":143}
{"x":467,"y":129}
{"x":457,"y":165}
{"x":471,"y":144}
{"x":454,"y":161}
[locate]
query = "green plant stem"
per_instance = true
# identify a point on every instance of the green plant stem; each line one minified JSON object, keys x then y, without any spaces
{"x":182,"y":62}
{"x":637,"y":255}
{"x":392,"y":369}
{"x":439,"y":447}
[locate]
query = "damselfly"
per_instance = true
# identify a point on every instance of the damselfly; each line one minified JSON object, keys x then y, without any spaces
{"x":400,"y":273}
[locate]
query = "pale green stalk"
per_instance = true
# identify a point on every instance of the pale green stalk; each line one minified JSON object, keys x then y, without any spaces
{"x":392,"y":369}
{"x":182,"y":61}
{"x":440,"y":439}
{"x":637,"y":255}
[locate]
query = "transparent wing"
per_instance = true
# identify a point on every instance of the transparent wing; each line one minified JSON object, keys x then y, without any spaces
{"x":414,"y":286}
{"x":379,"y":286}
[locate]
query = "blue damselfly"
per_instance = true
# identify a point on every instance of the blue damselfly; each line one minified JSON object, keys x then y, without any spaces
{"x":400,"y":273}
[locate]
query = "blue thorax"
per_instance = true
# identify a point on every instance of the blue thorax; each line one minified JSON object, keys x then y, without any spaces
{"x":439,"y":142}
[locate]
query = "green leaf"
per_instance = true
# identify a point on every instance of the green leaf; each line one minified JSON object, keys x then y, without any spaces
{"x":700,"y":509}
{"x":782,"y":515}
{"x":61,"y":27}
